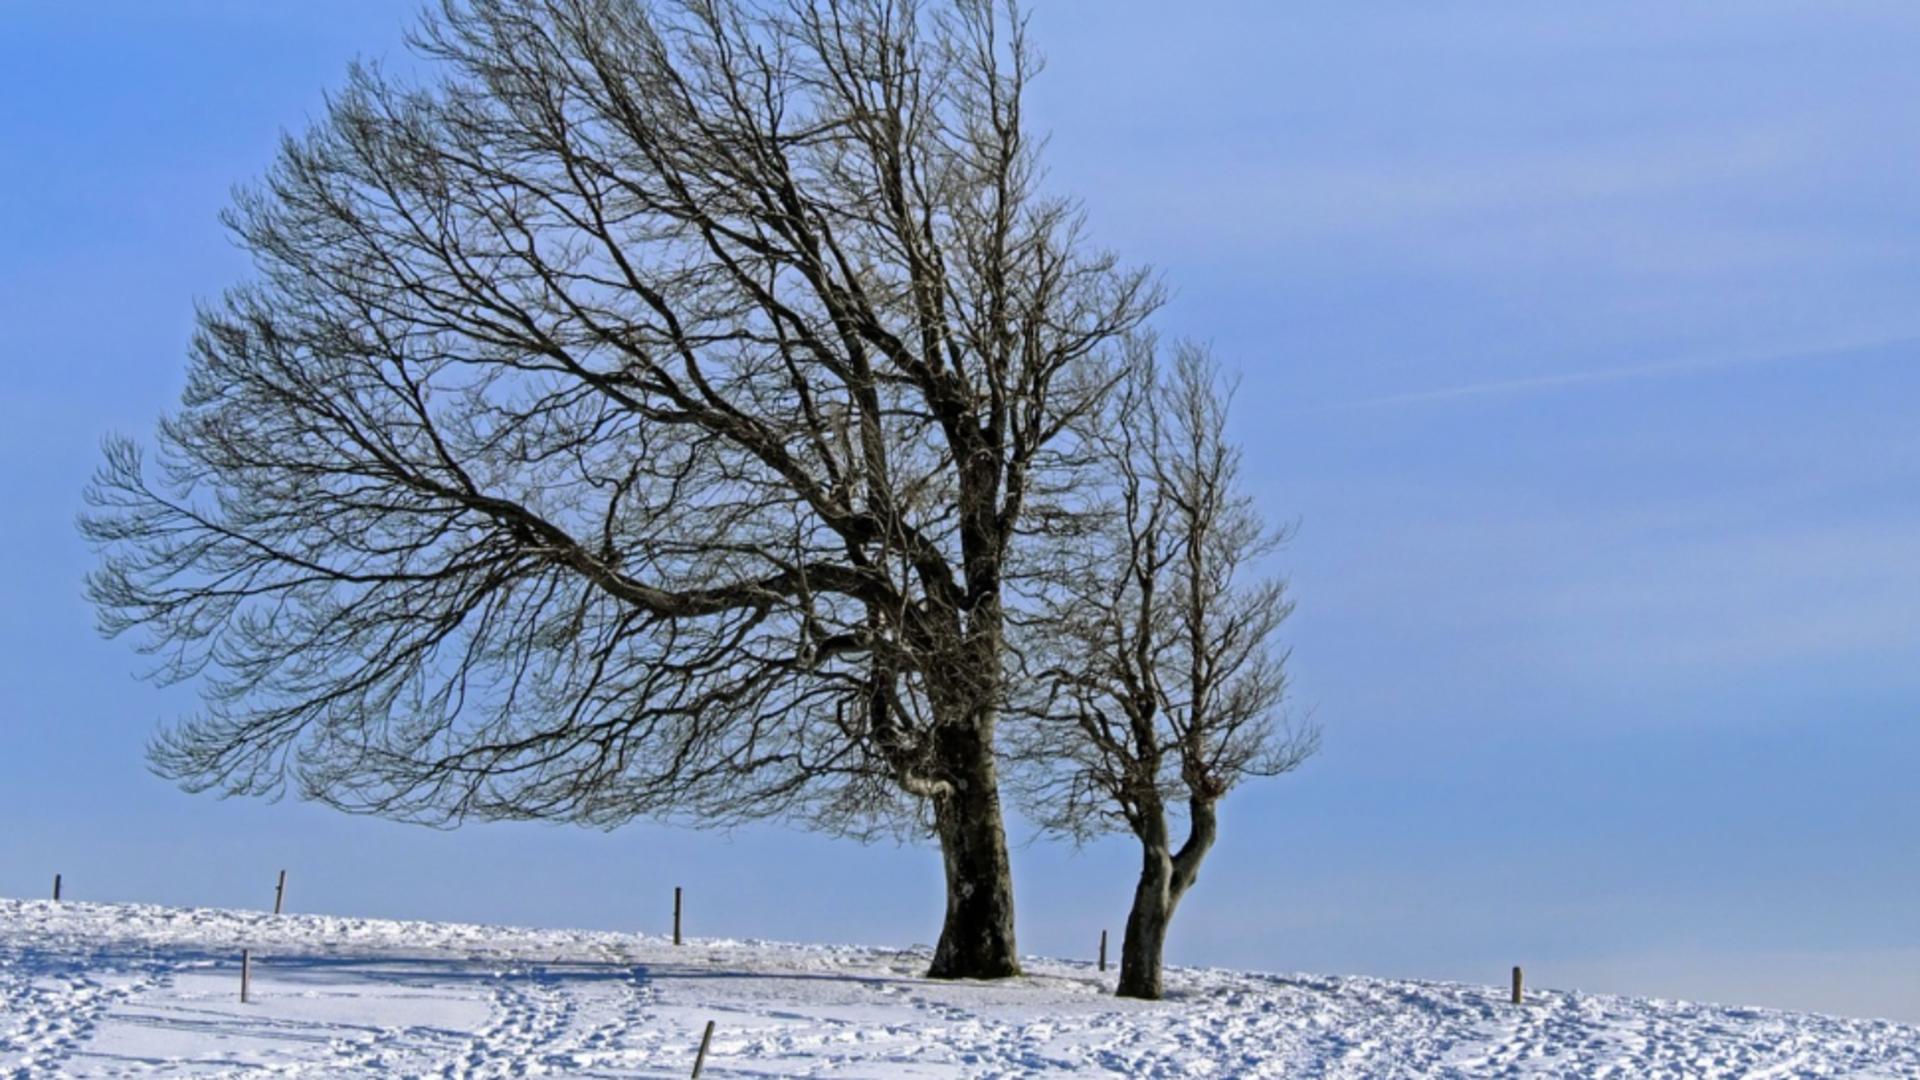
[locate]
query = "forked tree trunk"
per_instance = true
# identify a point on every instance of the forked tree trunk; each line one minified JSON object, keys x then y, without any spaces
{"x":1164,"y":879}
{"x":976,"y":942}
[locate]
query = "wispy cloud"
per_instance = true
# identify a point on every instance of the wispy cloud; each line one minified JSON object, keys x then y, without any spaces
{"x":1670,"y":368}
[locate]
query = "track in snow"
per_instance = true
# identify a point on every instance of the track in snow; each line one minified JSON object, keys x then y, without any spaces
{"x":92,"y":990}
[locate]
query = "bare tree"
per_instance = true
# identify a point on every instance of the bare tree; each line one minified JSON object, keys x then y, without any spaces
{"x":1158,"y":685}
{"x":638,"y":414}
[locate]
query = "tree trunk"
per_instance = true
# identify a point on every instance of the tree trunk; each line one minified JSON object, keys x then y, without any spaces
{"x":977,"y":940}
{"x":1146,"y":939}
{"x":1164,"y":880}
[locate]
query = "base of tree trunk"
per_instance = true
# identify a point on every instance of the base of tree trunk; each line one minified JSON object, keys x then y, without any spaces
{"x":1140,"y":960}
{"x":976,"y":940}
{"x":967,"y":954}
{"x":1145,"y":944}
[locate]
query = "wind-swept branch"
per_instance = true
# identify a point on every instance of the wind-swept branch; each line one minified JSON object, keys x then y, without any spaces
{"x":639,"y":415}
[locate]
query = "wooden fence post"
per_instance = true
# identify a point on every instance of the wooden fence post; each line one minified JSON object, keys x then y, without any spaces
{"x":280,"y":892}
{"x":1103,"y":950}
{"x":56,"y":888}
{"x":1517,"y":995}
{"x":676,"y":914}
{"x":246,"y":974}
{"x":706,"y":1040}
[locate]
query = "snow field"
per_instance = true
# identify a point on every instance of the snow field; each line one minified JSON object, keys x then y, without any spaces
{"x":115,"y":990}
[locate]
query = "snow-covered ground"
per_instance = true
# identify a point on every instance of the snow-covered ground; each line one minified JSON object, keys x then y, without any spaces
{"x":133,"y":990}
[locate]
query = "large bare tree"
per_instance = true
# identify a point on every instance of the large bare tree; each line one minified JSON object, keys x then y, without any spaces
{"x":637,"y":413}
{"x":1158,"y":686}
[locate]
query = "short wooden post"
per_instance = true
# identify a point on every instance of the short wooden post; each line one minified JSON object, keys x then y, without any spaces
{"x":280,"y":892}
{"x":1103,"y":950}
{"x":676,"y":919}
{"x":56,"y":888}
{"x":1517,"y":995}
{"x":246,"y":974}
{"x":706,"y":1040}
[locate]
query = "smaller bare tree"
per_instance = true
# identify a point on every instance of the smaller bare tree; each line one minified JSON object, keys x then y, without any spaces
{"x":1160,"y":685}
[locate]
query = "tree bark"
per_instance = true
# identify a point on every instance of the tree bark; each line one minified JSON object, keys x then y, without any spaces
{"x":976,"y":941}
{"x":1146,"y":938}
{"x":1164,"y":880}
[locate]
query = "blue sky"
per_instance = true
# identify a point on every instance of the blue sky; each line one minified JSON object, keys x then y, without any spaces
{"x":1580,"y":339}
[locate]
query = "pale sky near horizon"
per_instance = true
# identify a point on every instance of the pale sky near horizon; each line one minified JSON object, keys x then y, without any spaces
{"x":1581,"y":341}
